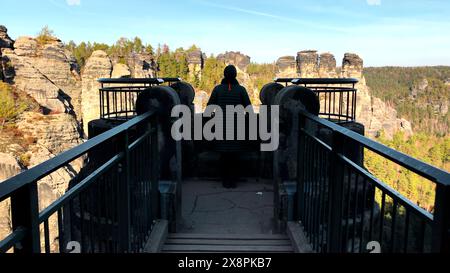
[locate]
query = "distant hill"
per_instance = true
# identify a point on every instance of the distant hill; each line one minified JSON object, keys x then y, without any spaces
{"x":419,"y":94}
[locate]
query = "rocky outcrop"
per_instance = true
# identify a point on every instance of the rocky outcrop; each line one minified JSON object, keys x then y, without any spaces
{"x":120,"y":71}
{"x":56,"y":133}
{"x":286,"y":67}
{"x":371,"y":111}
{"x":8,"y":167}
{"x":308,"y":63}
{"x":237,"y":59}
{"x":327,"y":65}
{"x":141,"y":65}
{"x":195,"y":59}
{"x":5,"y":40}
{"x":48,"y":73}
{"x":352,"y":66}
{"x":97,"y":66}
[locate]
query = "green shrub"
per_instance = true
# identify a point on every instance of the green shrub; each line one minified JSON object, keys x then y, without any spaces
{"x":9,"y":106}
{"x":45,"y":36}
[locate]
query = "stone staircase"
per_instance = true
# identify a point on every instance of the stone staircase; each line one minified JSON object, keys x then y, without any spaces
{"x":193,"y":242}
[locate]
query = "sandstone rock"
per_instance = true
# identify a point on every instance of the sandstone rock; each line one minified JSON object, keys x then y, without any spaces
{"x":352,"y":66}
{"x":308,"y":63}
{"x":237,"y":59}
{"x":8,"y":168}
{"x":327,"y":66}
{"x":27,"y":77}
{"x":97,"y":66}
{"x":195,"y":61}
{"x":200,"y":101}
{"x":60,"y":67}
{"x":142,"y":65}
{"x":120,"y":71}
{"x":5,"y":40}
{"x":25,"y":46}
{"x":57,"y":133}
{"x":286,"y":67}
{"x":377,"y":116}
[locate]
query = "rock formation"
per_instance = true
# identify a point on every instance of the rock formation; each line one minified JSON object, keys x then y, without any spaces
{"x":352,"y":66}
{"x":5,"y":40}
{"x":371,"y":111}
{"x":97,"y":66}
{"x":195,"y":59}
{"x":327,"y":65}
{"x":141,"y":65}
{"x":237,"y":59}
{"x":286,"y":67}
{"x":48,"y":73}
{"x":308,"y":63}
{"x":120,"y":71}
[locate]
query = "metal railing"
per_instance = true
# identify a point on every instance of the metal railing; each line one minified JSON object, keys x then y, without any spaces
{"x":118,"y":96}
{"x":110,"y":206}
{"x":343,"y":207}
{"x":337,"y":96}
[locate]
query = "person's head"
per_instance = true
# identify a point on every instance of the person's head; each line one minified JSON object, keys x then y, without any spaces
{"x":230,"y":72}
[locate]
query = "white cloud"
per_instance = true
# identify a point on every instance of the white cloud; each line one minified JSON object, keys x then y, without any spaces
{"x":373,"y":2}
{"x":73,"y":2}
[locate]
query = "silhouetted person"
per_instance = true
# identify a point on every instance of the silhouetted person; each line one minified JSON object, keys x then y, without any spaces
{"x":229,"y":92}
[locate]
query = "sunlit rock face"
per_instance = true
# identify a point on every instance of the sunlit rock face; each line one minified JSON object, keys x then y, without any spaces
{"x":46,"y":72}
{"x":236,"y":58}
{"x":327,"y":65}
{"x":352,"y":66}
{"x":308,"y":63}
{"x":286,"y":67}
{"x":196,"y":60}
{"x":97,"y":66}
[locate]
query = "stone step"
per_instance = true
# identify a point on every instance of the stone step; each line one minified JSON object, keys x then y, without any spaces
{"x":194,"y":242}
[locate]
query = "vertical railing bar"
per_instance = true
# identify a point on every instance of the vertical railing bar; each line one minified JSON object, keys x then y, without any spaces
{"x":355,"y":211}
{"x":46,"y":237}
{"x":347,"y":215}
{"x":405,"y":241}
{"x":394,"y":217}
{"x":383,"y":203}
{"x":61,"y":231}
{"x":363,"y":213}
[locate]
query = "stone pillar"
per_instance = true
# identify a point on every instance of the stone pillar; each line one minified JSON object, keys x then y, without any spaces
{"x":195,"y":64}
{"x":308,"y":63}
{"x":352,"y":66}
{"x":327,"y":66}
{"x":286,"y":67}
{"x":97,"y":66}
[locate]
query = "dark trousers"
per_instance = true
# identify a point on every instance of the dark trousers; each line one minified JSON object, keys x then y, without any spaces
{"x":229,"y":165}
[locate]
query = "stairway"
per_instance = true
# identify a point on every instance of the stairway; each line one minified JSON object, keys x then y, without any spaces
{"x":193,"y":242}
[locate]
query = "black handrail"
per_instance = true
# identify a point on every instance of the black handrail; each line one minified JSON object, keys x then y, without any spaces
{"x":125,"y":189}
{"x":317,"y":80}
{"x":423,"y":169}
{"x":39,"y":171}
{"x":342,"y":206}
{"x":139,"y":80}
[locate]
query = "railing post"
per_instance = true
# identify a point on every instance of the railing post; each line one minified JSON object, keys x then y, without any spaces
{"x":124,"y":199}
{"x":336,"y":181}
{"x":300,"y":163}
{"x":154,"y":168}
{"x":441,"y":220}
{"x":25,"y":214}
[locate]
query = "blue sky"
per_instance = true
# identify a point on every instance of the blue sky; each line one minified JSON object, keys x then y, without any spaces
{"x":383,"y":32}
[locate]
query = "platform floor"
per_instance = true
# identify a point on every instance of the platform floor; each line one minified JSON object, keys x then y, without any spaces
{"x":208,"y":208}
